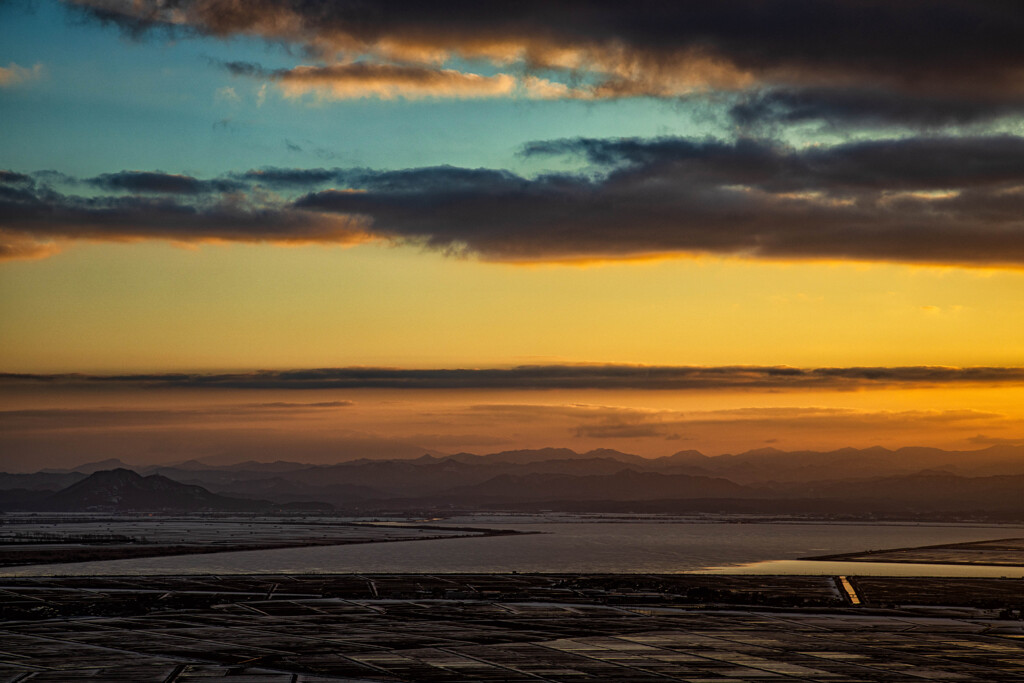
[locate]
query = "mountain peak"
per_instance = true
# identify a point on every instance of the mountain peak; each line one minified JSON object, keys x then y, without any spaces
{"x":686,"y":456}
{"x":125,"y":489}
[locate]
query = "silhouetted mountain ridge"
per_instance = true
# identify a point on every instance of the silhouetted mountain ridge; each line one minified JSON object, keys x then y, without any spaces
{"x":879,"y":478}
{"x":123,"y":489}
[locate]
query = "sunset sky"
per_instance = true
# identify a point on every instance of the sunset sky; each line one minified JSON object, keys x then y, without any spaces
{"x":299,"y":230}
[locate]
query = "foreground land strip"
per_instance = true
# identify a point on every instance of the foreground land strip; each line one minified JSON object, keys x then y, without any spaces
{"x":554,"y":628}
{"x":64,"y":539}
{"x":1003,"y":552}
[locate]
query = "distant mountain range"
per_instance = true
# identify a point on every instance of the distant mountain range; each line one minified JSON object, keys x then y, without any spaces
{"x":908,"y":480}
{"x":122,"y":490}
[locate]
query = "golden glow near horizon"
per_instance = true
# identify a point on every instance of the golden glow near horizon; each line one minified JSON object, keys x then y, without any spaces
{"x":689,"y":191}
{"x":148,"y":307}
{"x":324,"y":426}
{"x":157,"y":308}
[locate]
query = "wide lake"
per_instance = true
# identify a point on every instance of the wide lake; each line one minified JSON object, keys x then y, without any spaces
{"x":589,"y":544}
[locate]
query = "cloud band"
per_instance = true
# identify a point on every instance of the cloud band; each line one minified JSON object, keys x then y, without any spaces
{"x":609,"y":377}
{"x":928,"y":200}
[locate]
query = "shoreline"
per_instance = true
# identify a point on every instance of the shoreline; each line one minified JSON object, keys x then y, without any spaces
{"x":142,"y":551}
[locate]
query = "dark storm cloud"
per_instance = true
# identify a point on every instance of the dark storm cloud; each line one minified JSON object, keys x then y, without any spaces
{"x":919,"y":163}
{"x":934,"y":199}
{"x":35,"y":214}
{"x":918,"y":200}
{"x":404,"y":180}
{"x":16,"y":192}
{"x":12,"y":178}
{"x":870,"y":108}
{"x":956,"y":47}
{"x":246,"y":69}
{"x":556,"y":377}
{"x":161,"y":183}
{"x":436,"y":179}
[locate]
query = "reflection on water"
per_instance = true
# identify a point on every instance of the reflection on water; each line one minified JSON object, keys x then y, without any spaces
{"x":777,"y":567}
{"x":599,"y":545}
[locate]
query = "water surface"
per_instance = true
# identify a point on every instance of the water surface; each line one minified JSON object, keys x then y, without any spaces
{"x":584,"y":545}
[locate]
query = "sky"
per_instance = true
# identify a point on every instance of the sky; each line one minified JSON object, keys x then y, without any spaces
{"x":311,"y":231}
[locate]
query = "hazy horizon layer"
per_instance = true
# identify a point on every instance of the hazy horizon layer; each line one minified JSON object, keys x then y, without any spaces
{"x":51,"y":424}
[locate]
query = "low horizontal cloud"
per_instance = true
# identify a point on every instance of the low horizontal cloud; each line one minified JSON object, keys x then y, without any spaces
{"x":47,"y":419}
{"x":15,"y":179}
{"x":384,"y":81}
{"x":156,"y":206}
{"x":984,"y":440}
{"x":289,"y":178}
{"x":779,"y":378}
{"x":783,"y":419}
{"x":754,"y":423}
{"x":161,"y":183}
{"x":869,"y":107}
{"x":838,"y":416}
{"x":915,"y":163}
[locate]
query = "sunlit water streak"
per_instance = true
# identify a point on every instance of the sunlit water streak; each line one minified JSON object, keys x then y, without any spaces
{"x":777,"y":567}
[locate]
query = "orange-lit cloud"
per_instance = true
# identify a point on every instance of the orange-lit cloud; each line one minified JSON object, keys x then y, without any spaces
{"x":12,"y":74}
{"x":840,"y":54}
{"x":781,"y":40}
{"x":402,"y":81}
{"x":21,"y":247}
{"x":384,"y":81}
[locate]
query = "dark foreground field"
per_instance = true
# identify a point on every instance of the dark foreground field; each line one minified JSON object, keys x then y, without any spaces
{"x":510,"y":627}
